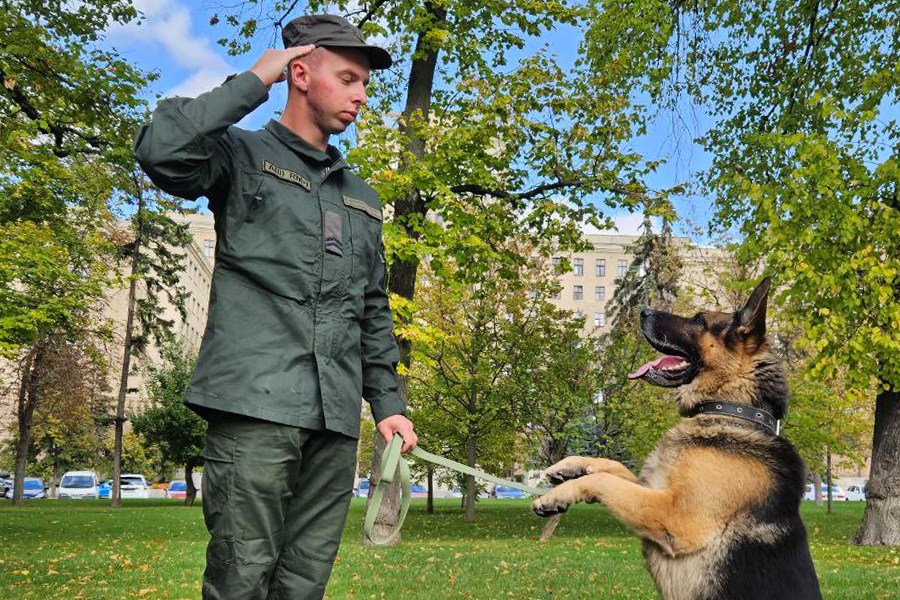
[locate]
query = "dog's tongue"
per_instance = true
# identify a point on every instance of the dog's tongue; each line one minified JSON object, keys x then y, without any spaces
{"x":659,"y":363}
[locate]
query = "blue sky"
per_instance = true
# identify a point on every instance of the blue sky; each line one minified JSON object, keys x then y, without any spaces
{"x":175,"y":40}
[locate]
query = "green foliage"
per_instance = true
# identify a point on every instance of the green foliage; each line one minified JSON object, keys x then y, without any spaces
{"x":159,"y":244}
{"x":498,"y":140}
{"x":177,"y":431}
{"x":493,"y":360}
{"x":67,"y":426}
{"x":805,"y":151}
{"x":632,"y":415}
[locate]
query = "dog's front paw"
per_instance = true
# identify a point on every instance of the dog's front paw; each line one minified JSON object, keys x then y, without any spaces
{"x":554,"y":502}
{"x":570,"y":467}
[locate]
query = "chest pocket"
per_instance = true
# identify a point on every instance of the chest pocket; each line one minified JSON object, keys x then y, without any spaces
{"x":276,"y":224}
{"x":365,"y":225}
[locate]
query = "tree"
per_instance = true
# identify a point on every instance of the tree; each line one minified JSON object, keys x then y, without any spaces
{"x":484,"y":354}
{"x":67,"y":109}
{"x":805,"y":168}
{"x":493,"y":143}
{"x":155,"y":254}
{"x":176,"y":430}
{"x":60,"y":409}
{"x":630,"y":418}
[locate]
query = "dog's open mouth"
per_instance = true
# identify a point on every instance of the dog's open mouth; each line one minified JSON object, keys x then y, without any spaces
{"x":667,"y":371}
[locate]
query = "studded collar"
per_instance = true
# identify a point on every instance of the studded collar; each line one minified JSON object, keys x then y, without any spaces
{"x":742,"y":411}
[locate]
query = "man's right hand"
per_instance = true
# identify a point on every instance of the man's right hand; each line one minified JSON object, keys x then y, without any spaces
{"x":270,"y":67}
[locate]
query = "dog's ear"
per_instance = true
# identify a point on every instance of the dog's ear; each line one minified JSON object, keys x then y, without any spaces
{"x":751,"y":318}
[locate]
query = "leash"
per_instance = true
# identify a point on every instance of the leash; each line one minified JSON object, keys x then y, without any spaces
{"x":394,"y":465}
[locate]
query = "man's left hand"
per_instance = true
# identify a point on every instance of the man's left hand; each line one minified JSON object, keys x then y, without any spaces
{"x":398,"y":424}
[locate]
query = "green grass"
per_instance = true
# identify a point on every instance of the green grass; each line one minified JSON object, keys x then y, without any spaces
{"x":155,"y":549}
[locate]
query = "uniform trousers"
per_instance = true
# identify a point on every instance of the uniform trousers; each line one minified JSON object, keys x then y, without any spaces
{"x":275,"y":499}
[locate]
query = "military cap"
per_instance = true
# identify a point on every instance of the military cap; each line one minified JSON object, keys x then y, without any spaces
{"x":331,"y":31}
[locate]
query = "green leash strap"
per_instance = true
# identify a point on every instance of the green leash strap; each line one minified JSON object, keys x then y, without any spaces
{"x":393,"y":464}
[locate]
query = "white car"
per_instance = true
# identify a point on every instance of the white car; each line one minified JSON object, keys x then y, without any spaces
{"x":856,"y":492}
{"x":837,"y":494}
{"x":78,"y":485}
{"x":133,"y":485}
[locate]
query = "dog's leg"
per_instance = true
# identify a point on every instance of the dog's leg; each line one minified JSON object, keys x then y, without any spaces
{"x":652,"y":514}
{"x":579,"y":466}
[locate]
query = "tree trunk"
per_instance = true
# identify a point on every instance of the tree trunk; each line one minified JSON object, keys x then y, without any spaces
{"x":116,"y":493}
{"x":189,"y":480}
{"x":471,"y":455}
{"x":389,"y":512}
{"x":550,"y":527}
{"x":429,"y":506}
{"x":401,"y":278}
{"x":881,"y":522}
{"x":828,"y":480}
{"x":557,"y":453}
{"x":28,"y":398}
{"x":817,"y":488}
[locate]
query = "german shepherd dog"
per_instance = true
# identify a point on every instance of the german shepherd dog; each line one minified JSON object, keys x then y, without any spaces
{"x":717,"y":502}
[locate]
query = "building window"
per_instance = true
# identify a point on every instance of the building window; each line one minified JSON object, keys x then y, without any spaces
{"x":600,"y":293}
{"x":621,"y":268}
{"x":555,"y":296}
{"x":555,"y":261}
{"x":599,"y":319}
{"x":209,"y":247}
{"x":578,"y":292}
{"x":579,"y":267}
{"x":600,"y":267}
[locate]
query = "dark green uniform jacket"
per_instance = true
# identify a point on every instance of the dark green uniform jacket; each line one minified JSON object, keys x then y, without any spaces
{"x":299,"y":326}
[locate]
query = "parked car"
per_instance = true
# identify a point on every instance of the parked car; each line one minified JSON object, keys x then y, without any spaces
{"x":505,"y":491}
{"x":104,"y":490}
{"x":837,"y":494}
{"x":130,"y":485}
{"x":856,"y":492}
{"x":362,"y":490}
{"x":6,"y":482}
{"x":133,"y":485}
{"x":177,"y":489}
{"x":418,"y":491}
{"x":33,"y":488}
{"x":78,"y":485}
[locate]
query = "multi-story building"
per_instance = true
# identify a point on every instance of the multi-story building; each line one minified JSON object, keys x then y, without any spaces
{"x":590,"y":283}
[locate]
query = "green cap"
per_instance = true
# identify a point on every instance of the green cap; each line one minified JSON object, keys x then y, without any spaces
{"x":331,"y":31}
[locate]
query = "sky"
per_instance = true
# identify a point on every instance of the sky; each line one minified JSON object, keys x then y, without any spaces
{"x":175,"y":40}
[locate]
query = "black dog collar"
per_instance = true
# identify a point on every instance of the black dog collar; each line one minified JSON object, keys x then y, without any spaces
{"x":741,"y":411}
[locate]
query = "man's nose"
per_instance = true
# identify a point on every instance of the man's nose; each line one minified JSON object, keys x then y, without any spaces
{"x":359,"y":97}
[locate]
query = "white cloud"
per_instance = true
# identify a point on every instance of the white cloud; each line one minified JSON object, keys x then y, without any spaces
{"x":625,"y":224}
{"x":169,"y":26}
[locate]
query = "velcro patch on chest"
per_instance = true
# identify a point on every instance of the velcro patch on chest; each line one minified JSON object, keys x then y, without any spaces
{"x":373,"y":212}
{"x":286,"y":175}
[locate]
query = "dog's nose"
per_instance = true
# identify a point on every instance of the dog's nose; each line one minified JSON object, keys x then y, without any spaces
{"x":647,"y":312}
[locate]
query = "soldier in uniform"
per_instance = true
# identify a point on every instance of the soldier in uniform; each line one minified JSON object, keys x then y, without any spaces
{"x":299,"y":327}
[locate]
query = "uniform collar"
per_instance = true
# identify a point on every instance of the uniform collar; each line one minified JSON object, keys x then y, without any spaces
{"x":332,"y":156}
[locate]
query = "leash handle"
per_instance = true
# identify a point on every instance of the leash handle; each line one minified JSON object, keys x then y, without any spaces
{"x":393,"y":464}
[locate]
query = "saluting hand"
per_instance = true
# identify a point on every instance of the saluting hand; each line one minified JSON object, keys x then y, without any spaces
{"x":270,"y":67}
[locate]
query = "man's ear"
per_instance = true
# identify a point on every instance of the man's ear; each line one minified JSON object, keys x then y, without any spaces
{"x":298,"y":74}
{"x":751,"y":318}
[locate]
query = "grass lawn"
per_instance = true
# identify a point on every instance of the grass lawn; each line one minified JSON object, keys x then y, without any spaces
{"x":154,"y":549}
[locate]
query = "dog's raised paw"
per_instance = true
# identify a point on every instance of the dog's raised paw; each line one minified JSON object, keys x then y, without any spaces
{"x":568,"y":468}
{"x":548,"y":507}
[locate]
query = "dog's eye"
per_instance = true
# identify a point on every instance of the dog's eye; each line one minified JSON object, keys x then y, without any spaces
{"x":699,"y":319}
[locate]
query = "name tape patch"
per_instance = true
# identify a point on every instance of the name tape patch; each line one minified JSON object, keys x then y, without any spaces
{"x":286,"y":175}
{"x":373,"y":212}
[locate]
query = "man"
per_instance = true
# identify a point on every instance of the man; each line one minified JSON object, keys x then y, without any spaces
{"x":299,"y":326}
